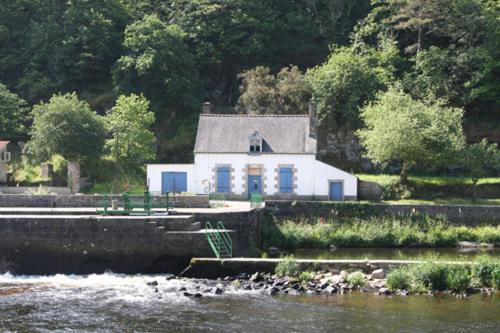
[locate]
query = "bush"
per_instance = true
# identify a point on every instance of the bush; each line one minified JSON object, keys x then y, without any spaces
{"x":459,"y":278}
{"x":495,"y":277}
{"x":288,"y":266}
{"x":483,"y":271}
{"x":399,"y":278}
{"x":356,"y":279}
{"x":431,"y":275}
{"x":388,"y":231}
{"x":306,"y":276}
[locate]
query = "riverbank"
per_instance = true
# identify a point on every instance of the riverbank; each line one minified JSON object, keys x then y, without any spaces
{"x":384,"y":277}
{"x":378,"y":231}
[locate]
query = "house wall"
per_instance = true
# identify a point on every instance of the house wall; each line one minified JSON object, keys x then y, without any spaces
{"x":154,"y":177}
{"x":325,"y":173}
{"x":310,"y":178}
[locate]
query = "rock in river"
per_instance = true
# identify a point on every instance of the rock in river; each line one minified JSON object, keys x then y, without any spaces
{"x":378,"y":274}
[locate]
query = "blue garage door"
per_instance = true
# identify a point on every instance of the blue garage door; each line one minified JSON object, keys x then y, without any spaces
{"x":174,"y":182}
{"x":336,"y":191}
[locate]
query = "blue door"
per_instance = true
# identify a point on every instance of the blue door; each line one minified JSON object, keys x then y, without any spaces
{"x":174,"y":182}
{"x":336,"y":191}
{"x":254,"y":185}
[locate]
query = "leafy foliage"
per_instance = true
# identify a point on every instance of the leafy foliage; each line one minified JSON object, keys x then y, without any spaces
{"x":14,"y":114}
{"x":356,"y":279}
{"x":348,"y":79}
{"x":68,"y":127}
{"x":288,"y":266}
{"x":130,"y":121}
{"x":418,"y":132}
{"x":384,"y":231}
{"x":283,"y":93}
{"x":157,"y":63}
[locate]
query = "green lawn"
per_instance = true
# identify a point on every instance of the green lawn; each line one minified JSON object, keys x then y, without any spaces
{"x":428,"y":180}
{"x":446,"y":201}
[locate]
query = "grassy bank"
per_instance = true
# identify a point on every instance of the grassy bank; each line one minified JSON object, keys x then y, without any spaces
{"x":382,"y":231}
{"x":436,"y":189}
{"x":417,"y":278}
{"x":440,"y":276}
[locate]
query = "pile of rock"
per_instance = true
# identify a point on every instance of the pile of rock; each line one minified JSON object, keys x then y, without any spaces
{"x":321,"y":283}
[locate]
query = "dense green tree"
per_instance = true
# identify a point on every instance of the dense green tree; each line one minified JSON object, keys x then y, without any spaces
{"x":480,"y":158}
{"x":399,"y":128}
{"x":283,"y":93}
{"x":419,"y":16}
{"x":231,"y":36}
{"x":66,"y":126}
{"x":58,"y":45}
{"x":157,"y":63}
{"x":130,"y":121}
{"x":349,"y":78}
{"x":14,"y":115}
{"x":445,"y":73}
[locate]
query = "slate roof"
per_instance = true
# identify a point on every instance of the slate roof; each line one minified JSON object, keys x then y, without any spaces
{"x":282,"y":134}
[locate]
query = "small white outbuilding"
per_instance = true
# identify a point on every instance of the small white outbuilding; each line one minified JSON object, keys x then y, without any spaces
{"x":237,"y":155}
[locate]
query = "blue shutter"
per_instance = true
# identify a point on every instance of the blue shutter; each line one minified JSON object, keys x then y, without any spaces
{"x":286,"y":182}
{"x":223,"y":183}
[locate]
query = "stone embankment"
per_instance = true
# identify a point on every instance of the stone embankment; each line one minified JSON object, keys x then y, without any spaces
{"x":325,"y":283}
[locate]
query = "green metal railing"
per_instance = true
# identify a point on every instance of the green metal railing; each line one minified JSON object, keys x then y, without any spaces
{"x":256,"y":200}
{"x":219,"y":240}
{"x":216,"y":200}
{"x":127,"y":206}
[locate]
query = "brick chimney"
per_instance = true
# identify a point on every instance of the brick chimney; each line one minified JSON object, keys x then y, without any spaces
{"x":207,"y":108}
{"x":313,"y":120}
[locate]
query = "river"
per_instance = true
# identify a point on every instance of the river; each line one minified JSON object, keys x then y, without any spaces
{"x":126,"y":303}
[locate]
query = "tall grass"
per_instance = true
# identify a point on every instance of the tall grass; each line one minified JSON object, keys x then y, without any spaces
{"x":441,"y":276}
{"x":417,"y":231}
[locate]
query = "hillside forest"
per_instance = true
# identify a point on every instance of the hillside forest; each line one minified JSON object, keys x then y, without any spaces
{"x":153,"y":63}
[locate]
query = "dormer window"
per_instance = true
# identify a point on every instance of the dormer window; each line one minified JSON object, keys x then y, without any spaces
{"x":255,"y":143}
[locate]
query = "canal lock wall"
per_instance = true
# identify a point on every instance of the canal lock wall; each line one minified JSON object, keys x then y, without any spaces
{"x":81,"y":244}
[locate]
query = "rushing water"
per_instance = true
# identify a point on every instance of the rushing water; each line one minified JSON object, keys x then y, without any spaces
{"x":450,"y":254}
{"x":125,"y":303}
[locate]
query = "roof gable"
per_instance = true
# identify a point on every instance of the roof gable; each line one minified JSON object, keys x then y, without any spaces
{"x":281,"y":134}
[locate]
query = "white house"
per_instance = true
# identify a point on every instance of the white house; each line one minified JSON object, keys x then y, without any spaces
{"x":274,"y":155}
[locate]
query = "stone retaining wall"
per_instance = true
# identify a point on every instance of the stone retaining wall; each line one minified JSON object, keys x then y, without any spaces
{"x":85,"y":244}
{"x":33,"y":189}
{"x":27,"y":200}
{"x":464,"y":214}
{"x":212,"y":268}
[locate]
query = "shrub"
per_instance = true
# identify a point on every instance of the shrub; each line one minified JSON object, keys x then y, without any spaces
{"x":356,"y":279}
{"x":399,"y":278}
{"x":495,"y":277}
{"x":431,"y":275}
{"x":306,"y":276}
{"x":483,"y":271}
{"x":459,"y":278}
{"x":388,"y":231}
{"x":288,"y":266}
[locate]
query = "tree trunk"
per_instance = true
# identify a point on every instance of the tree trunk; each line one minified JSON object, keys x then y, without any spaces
{"x":403,"y":176}
{"x":74,"y":176}
{"x":474,"y":190}
{"x":419,"y":41}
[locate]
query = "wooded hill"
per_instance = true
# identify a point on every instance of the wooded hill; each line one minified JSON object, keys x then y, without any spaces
{"x":181,"y":53}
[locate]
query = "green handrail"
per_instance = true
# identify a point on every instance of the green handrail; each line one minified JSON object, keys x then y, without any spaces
{"x":219,"y":240}
{"x":225,"y":236}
